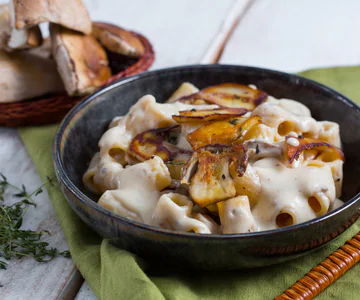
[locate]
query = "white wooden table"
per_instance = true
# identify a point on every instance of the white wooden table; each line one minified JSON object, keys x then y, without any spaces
{"x":288,"y":35}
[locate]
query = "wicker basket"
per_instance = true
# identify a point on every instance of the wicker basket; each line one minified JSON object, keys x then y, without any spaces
{"x":51,"y":109}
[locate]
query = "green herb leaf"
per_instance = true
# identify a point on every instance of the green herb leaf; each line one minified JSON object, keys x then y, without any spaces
{"x":15,"y":242}
{"x":3,"y":177}
{"x":38,"y":192}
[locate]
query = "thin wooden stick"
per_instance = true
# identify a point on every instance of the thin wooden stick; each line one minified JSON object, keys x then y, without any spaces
{"x":237,"y":11}
{"x":325,"y":273}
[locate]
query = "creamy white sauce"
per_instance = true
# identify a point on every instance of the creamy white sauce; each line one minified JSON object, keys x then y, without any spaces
{"x":287,"y":112}
{"x":174,"y":211}
{"x":236,"y":216}
{"x":138,"y":190}
{"x":287,"y":190}
{"x":330,"y":132}
{"x":296,"y":108}
{"x":270,"y":188}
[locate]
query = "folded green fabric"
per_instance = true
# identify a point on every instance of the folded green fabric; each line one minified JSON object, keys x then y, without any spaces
{"x":116,"y":274}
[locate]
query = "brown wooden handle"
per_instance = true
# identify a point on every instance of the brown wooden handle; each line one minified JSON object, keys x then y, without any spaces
{"x":325,"y":273}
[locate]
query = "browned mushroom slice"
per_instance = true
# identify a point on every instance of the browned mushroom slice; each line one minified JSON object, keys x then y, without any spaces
{"x":189,"y":169}
{"x":228,"y":95}
{"x":226,"y":132}
{"x":207,"y":177}
{"x":68,"y":13}
{"x":16,"y":39}
{"x":208,"y":115}
{"x":236,"y":95}
{"x":160,"y":142}
{"x":319,"y":149}
{"x":197,"y":99}
{"x":81,"y":60}
{"x":118,"y":40}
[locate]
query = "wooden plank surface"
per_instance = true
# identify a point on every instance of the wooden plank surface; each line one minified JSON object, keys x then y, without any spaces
{"x":295,"y":35}
{"x":85,"y":293}
{"x":26,"y":278}
{"x":181,"y":32}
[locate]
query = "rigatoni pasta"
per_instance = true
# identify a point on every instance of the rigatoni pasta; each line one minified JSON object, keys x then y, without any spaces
{"x":224,"y":159}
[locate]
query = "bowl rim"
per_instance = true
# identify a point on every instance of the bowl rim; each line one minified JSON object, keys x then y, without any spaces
{"x":63,"y":177}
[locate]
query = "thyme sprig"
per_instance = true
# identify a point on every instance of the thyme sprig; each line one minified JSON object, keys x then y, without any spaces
{"x":14,"y":241}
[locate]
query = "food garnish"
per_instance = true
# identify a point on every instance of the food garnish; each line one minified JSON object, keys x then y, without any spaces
{"x":208,"y":115}
{"x":228,"y":95}
{"x":225,"y":132}
{"x":14,"y":241}
{"x":160,"y":142}
{"x":207,"y":174}
{"x":319,"y":149}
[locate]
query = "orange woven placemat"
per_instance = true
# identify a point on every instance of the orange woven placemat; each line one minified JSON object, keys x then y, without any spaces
{"x":52,"y":109}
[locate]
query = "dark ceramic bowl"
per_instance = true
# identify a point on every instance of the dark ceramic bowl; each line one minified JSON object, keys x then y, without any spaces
{"x":78,"y":135}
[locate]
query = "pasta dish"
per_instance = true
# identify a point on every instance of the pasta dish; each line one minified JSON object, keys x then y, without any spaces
{"x":225,"y":159}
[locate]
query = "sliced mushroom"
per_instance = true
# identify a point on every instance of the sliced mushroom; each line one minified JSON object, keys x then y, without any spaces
{"x":25,"y":39}
{"x":68,"y":13}
{"x":160,"y":142}
{"x":226,"y":132}
{"x":208,"y":115}
{"x":81,"y":60}
{"x":12,"y":38}
{"x":319,"y":149}
{"x":228,"y":95}
{"x":26,"y":74}
{"x":118,"y":40}
{"x":196,"y":99}
{"x":206,"y":174}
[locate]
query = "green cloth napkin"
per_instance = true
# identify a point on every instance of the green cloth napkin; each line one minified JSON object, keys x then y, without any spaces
{"x":116,"y":274}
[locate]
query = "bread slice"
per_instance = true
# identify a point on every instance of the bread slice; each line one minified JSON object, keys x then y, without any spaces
{"x":11,"y":38}
{"x":27,"y":74}
{"x":82,"y":62}
{"x":68,"y":13}
{"x":118,"y":40}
